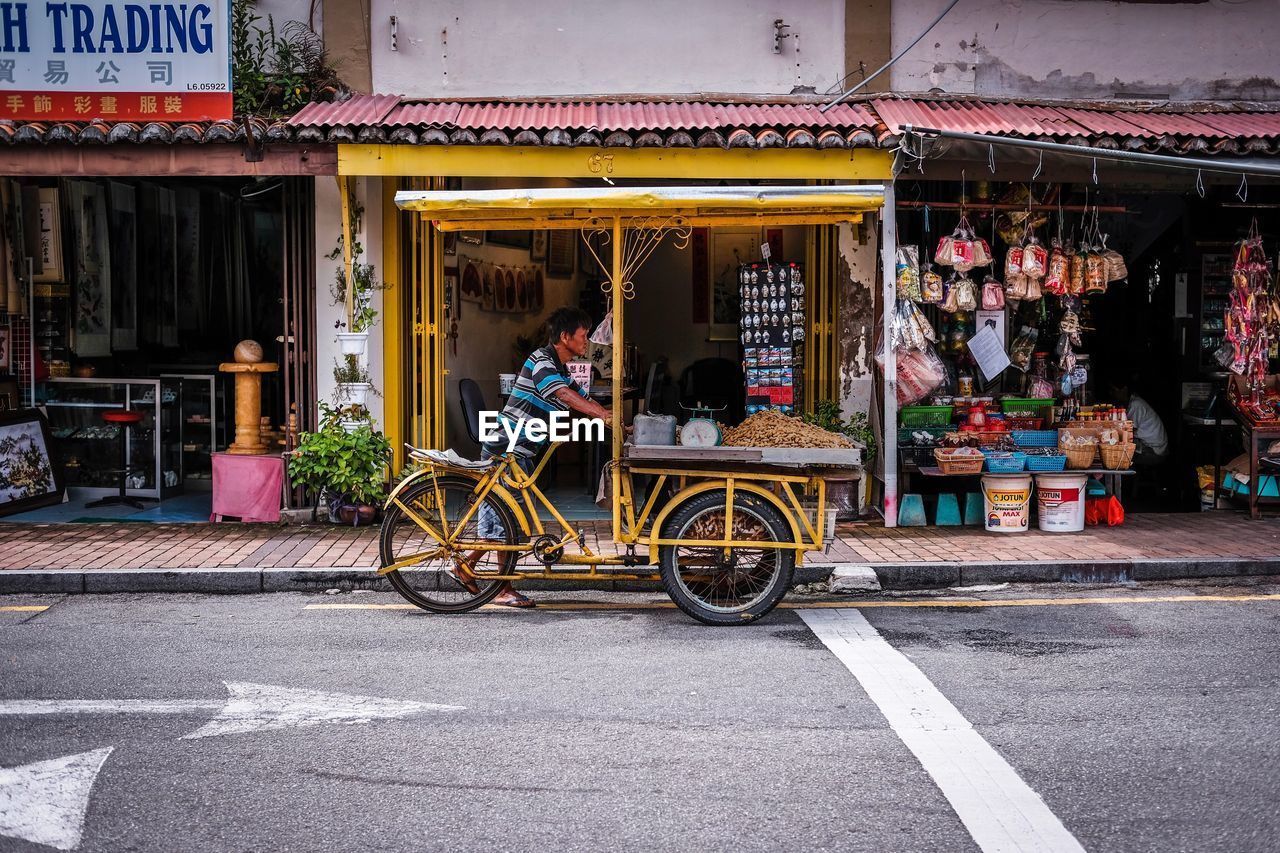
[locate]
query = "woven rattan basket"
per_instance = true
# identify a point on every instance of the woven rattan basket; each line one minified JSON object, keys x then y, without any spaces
{"x":1080,"y":457}
{"x":1117,"y":456}
{"x":950,"y":463}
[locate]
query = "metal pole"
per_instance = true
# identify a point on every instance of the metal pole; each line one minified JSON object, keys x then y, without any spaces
{"x":619,"y":364}
{"x":889,"y":432}
{"x":1192,"y":163}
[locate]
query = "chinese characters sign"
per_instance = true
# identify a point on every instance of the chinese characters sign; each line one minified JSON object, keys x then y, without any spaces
{"x":156,"y":61}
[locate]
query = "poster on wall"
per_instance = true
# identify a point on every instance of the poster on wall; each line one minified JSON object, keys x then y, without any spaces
{"x":123,"y":230}
{"x":190,"y":295}
{"x":561,"y":250}
{"x":166,"y":270}
{"x":92,"y":281}
{"x":729,"y":250}
{"x":50,"y":217}
{"x":6,"y":337}
{"x":28,"y":478}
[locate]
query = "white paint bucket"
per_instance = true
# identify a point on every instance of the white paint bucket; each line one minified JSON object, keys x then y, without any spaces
{"x":1060,"y":500}
{"x":1007,"y":503}
{"x":506,"y":383}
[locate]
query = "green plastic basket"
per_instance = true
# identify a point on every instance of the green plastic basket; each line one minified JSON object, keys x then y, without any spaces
{"x":1026,"y":404}
{"x":924,"y":416}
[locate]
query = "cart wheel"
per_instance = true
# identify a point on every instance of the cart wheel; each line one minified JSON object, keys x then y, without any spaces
{"x":732,"y":590}
{"x":435,"y":580}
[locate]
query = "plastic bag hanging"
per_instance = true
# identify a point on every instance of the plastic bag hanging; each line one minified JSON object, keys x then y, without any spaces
{"x":992,"y":294}
{"x":603,"y":334}
{"x":907,"y":271}
{"x":931,"y":289}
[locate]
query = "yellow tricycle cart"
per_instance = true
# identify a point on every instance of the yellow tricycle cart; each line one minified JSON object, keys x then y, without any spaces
{"x":721,"y":527}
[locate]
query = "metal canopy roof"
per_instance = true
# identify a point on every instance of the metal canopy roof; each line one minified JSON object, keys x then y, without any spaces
{"x":573,"y":207}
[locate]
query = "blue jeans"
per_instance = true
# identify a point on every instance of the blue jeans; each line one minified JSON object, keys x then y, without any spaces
{"x":488,"y":525}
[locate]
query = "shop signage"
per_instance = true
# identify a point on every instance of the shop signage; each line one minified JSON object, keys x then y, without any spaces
{"x":116,"y":61}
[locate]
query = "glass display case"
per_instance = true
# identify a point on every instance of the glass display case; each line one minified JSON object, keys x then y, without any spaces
{"x":196,"y":422}
{"x":88,"y":449}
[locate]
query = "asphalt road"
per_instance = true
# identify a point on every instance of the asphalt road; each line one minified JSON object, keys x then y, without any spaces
{"x":1141,"y":725}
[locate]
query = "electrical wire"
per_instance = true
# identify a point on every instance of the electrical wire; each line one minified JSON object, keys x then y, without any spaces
{"x":901,"y":53}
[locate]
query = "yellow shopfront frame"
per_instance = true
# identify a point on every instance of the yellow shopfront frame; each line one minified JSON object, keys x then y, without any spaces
{"x":569,"y":208}
{"x":617,"y":208}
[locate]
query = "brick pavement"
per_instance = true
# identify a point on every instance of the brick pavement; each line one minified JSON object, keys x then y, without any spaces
{"x":176,"y":546}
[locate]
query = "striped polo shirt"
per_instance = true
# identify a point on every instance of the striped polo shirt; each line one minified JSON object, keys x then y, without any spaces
{"x":533,"y":398}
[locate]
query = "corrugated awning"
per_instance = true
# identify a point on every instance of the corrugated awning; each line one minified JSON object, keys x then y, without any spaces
{"x":575,"y":207}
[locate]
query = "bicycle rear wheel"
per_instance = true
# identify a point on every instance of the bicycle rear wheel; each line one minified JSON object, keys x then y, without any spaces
{"x":433,"y":574}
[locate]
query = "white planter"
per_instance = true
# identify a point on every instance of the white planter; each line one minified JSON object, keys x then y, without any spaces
{"x":353,"y":343}
{"x":351,"y":426}
{"x":353,"y":393}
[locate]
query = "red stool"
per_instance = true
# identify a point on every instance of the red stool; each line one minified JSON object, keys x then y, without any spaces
{"x":126,"y":420}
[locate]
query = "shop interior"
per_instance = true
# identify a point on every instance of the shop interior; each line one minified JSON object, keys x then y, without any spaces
{"x":141,"y":289}
{"x":1156,"y":332}
{"x":683,"y":353}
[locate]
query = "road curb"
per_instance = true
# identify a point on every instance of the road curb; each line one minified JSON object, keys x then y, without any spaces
{"x":895,"y":576}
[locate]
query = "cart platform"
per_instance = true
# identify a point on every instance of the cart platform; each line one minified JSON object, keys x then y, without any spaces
{"x":782,"y":457}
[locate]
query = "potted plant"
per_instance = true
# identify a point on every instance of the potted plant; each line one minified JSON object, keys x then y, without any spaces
{"x":346,"y":469}
{"x":363,"y":283}
{"x":826,"y":414}
{"x":353,"y":381}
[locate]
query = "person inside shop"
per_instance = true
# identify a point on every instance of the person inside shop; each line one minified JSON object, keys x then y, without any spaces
{"x":542,"y":386}
{"x":1148,"y":430}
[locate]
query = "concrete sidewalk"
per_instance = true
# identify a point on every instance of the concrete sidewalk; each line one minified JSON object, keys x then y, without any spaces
{"x":255,"y":558}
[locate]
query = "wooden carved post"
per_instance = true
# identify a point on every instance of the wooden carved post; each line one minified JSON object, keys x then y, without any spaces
{"x":248,"y":368}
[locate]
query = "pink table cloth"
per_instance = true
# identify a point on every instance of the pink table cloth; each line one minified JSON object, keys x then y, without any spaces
{"x":247,"y":487}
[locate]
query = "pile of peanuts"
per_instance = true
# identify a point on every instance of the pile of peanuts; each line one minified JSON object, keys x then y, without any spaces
{"x":774,"y":429}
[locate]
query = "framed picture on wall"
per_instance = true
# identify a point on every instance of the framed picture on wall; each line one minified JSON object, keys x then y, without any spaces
{"x":730,"y":248}
{"x":28,"y":477}
{"x":560,"y":252}
{"x":6,"y":336}
{"x":514,"y":239}
{"x":589,"y":247}
{"x":538,"y":246}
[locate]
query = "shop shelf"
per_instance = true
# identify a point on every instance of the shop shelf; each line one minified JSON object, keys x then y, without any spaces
{"x":919,"y":416}
{"x":1035,"y":437}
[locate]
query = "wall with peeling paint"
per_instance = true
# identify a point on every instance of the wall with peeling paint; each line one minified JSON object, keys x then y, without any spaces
{"x":1091,"y":49}
{"x":511,"y":48}
{"x":857,"y":278}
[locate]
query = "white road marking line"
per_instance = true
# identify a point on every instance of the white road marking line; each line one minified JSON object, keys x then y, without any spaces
{"x":45,"y":802}
{"x":249,"y":708}
{"x":1001,"y":812}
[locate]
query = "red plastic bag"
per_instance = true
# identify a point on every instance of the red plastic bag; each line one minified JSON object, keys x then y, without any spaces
{"x":1106,"y":511}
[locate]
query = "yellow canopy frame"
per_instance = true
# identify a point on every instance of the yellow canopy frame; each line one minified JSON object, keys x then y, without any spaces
{"x":619,"y":208}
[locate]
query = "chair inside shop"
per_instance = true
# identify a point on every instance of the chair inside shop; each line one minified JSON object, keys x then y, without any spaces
{"x":713,"y":383}
{"x":472,"y":400}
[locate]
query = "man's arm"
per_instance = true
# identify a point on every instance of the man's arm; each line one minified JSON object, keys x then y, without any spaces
{"x":583,"y":405}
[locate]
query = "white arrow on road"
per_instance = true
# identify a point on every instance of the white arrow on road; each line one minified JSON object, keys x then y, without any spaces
{"x":249,"y":708}
{"x":45,"y":802}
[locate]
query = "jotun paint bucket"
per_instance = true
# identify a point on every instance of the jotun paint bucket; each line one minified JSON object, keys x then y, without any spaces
{"x":1007,"y":503}
{"x":1060,"y":500}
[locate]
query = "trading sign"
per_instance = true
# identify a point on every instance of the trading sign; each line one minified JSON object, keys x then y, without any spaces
{"x":114,"y":61}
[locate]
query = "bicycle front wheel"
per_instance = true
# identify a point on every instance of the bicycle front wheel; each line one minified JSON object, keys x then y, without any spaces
{"x":418,"y":532}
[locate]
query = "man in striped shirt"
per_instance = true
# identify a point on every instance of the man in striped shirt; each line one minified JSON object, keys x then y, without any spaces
{"x":543,"y":386}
